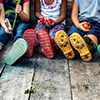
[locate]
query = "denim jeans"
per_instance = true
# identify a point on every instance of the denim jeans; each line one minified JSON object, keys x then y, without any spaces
{"x":17,"y":32}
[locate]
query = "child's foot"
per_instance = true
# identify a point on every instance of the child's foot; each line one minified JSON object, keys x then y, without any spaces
{"x":63,"y":42}
{"x":17,"y":51}
{"x":98,"y":48}
{"x":80,"y":45}
{"x":45,"y":42}
{"x":30,"y":37}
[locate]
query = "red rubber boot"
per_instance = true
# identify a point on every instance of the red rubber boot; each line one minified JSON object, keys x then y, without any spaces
{"x":30,"y":37}
{"x":45,"y":41}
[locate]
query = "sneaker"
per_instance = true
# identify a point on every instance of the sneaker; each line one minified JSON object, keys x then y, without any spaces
{"x":44,"y":40}
{"x":17,"y":51}
{"x":30,"y":37}
{"x":62,"y":41}
{"x":80,"y":45}
{"x":98,"y":48}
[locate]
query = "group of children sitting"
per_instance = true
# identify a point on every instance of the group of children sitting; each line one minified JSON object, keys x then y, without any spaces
{"x":83,"y":36}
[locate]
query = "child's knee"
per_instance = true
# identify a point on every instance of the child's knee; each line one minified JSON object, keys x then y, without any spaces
{"x":0,"y":47}
{"x":93,"y":38}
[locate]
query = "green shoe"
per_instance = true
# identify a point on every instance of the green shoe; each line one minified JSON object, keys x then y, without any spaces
{"x":98,"y":48}
{"x":17,"y":51}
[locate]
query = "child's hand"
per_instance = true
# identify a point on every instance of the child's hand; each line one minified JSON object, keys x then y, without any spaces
{"x":80,"y":26}
{"x":43,"y":20}
{"x":18,"y":9}
{"x":8,"y":27}
{"x":8,"y":30}
{"x":51,"y":22}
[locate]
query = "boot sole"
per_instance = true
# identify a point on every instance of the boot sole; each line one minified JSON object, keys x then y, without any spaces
{"x":30,"y":37}
{"x":63,"y":42}
{"x":17,"y":51}
{"x":44,"y":40}
{"x":79,"y":44}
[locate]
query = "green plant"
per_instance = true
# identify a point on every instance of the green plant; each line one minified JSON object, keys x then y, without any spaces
{"x":8,"y":12}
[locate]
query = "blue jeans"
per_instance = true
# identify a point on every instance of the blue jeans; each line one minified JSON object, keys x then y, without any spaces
{"x":17,"y":32}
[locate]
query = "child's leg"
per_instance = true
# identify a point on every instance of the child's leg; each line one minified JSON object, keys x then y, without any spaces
{"x":91,"y":42}
{"x":30,"y":37}
{"x":0,"y":47}
{"x":39,"y":27}
{"x":18,"y":35}
{"x":62,"y":41}
{"x":55,"y":29}
{"x":44,"y":40}
{"x":3,"y":37}
{"x":20,"y":29}
{"x":61,"y":38}
{"x":80,"y":45}
{"x":17,"y":51}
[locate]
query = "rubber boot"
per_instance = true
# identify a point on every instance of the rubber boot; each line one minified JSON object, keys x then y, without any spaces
{"x":63,"y":43}
{"x":85,"y":46}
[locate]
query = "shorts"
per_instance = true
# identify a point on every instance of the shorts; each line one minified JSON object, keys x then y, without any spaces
{"x":95,"y":29}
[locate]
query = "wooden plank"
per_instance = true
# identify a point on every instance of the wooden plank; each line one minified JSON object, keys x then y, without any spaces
{"x":3,"y":53}
{"x":85,"y":78}
{"x":51,"y":79}
{"x":16,"y":79}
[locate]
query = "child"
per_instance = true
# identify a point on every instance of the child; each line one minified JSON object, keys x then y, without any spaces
{"x":52,"y":13}
{"x":83,"y":38}
{"x":22,"y":24}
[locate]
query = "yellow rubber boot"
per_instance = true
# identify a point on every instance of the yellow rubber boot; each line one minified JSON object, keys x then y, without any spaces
{"x":62,"y":41}
{"x":80,"y":45}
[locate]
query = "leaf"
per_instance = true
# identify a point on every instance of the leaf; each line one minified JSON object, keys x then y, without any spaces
{"x":15,"y":1}
{"x":26,"y":91}
{"x":32,"y":90}
{"x":8,"y":12}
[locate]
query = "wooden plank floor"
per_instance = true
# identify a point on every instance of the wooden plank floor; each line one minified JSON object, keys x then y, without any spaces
{"x":55,"y":79}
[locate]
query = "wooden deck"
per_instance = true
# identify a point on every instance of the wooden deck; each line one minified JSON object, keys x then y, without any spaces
{"x":56,"y":79}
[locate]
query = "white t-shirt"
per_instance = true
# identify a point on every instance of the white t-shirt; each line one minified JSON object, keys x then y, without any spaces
{"x":51,"y":11}
{"x":89,"y":10}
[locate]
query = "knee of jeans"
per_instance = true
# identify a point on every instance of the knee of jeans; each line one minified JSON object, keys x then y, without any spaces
{"x":2,"y":30}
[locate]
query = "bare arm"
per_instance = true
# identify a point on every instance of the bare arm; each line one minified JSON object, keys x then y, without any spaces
{"x":37,"y":9}
{"x":62,"y":12}
{"x":38,"y":12}
{"x":2,"y":11}
{"x":24,"y":14}
{"x":2,"y":18}
{"x":74,"y":17}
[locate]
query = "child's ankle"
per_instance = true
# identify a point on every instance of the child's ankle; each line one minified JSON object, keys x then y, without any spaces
{"x":0,"y":47}
{"x":90,"y":43}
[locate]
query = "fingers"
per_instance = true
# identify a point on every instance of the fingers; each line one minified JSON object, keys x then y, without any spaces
{"x":18,"y":8}
{"x":84,"y":30}
{"x":7,"y":31}
{"x":8,"y":24}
